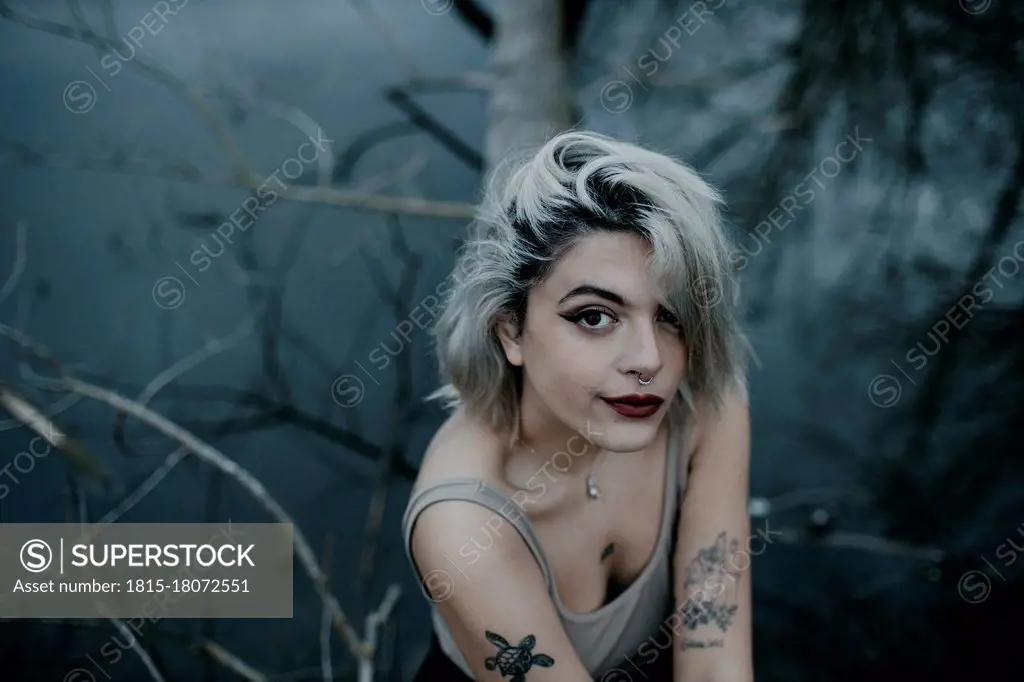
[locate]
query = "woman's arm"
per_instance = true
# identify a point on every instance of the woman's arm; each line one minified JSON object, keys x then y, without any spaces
{"x":712,"y":620}
{"x":498,"y":602}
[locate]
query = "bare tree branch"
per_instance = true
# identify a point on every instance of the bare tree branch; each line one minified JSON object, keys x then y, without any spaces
{"x":374,"y":622}
{"x":134,"y":644}
{"x":421,"y":119}
{"x":137,"y":647}
{"x":18,"y":267}
{"x":327,"y":196}
{"x":109,"y":18}
{"x":368,"y":140}
{"x":31,"y":416}
{"x":476,"y":17}
{"x":325,"y":617}
{"x":301,"y":120}
{"x":232,"y":662}
{"x":273,"y":414}
{"x":18,"y":405}
{"x":145,"y":488}
{"x":354,"y":152}
{"x":189,"y":362}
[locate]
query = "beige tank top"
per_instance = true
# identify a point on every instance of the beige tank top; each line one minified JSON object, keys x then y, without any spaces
{"x":603,"y":638}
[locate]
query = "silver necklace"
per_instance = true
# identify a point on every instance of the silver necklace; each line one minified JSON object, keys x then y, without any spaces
{"x":593,"y":492}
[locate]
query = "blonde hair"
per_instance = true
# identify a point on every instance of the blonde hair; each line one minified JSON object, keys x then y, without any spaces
{"x":534,"y":211}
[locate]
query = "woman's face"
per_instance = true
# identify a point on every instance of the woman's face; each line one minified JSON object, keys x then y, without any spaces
{"x":592,"y":327}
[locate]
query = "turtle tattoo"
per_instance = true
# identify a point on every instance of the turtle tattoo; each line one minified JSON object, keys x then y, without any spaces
{"x":515,"y":661}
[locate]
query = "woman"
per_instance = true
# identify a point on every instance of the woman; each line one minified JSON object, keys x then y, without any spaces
{"x":596,"y":373}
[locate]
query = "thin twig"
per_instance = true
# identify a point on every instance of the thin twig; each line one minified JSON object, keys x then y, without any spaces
{"x":81,"y":23}
{"x":862,"y":541}
{"x":190,"y":361}
{"x":374,"y":622}
{"x":39,"y":416}
{"x":145,"y":488}
{"x":83,"y":503}
{"x":24,"y":412}
{"x":232,"y":662}
{"x":210,"y":349}
{"x":40,"y":351}
{"x":301,"y":120}
{"x":20,"y":255}
{"x":137,"y":648}
{"x":83,"y":520}
{"x":429,"y":124}
{"x":325,"y":618}
{"x":109,"y":19}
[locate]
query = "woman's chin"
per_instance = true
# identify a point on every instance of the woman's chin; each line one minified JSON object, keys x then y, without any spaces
{"x":626,"y":436}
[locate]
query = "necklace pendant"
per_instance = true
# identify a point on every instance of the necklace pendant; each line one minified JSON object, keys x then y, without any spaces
{"x":592,"y":491}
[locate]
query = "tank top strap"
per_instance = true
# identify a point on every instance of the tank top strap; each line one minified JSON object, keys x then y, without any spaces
{"x":479,"y":492}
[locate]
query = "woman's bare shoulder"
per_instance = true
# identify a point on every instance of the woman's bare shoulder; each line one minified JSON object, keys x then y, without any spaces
{"x":461,"y":447}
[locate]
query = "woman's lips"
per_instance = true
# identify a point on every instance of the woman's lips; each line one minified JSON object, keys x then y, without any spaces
{"x":635,"y":406}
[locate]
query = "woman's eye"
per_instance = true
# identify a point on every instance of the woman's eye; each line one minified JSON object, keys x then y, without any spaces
{"x":670,"y":318}
{"x":594,"y":319}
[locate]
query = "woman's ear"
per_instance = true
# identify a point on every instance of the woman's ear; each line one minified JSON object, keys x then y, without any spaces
{"x":508,"y":335}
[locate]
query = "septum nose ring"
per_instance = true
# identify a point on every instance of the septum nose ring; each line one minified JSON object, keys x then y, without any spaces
{"x":640,"y":378}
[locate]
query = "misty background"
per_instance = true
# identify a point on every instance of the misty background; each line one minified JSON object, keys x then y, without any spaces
{"x":872,"y":158}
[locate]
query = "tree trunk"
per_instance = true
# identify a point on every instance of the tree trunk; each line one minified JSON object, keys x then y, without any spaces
{"x":530,"y":101}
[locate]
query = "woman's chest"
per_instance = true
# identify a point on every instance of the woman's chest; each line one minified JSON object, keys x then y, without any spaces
{"x":597,"y":548}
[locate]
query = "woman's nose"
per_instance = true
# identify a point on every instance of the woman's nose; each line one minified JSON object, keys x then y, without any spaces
{"x":643,"y":354}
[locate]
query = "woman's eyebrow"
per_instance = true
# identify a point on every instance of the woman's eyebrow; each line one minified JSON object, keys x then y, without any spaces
{"x":585,"y":289}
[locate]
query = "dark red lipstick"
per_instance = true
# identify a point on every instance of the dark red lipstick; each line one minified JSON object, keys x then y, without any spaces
{"x":635,"y":405}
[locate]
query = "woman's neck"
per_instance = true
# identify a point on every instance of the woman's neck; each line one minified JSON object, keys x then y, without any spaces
{"x":547,"y":439}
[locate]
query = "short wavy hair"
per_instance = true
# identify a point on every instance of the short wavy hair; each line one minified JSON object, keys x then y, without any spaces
{"x":535,"y":209}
